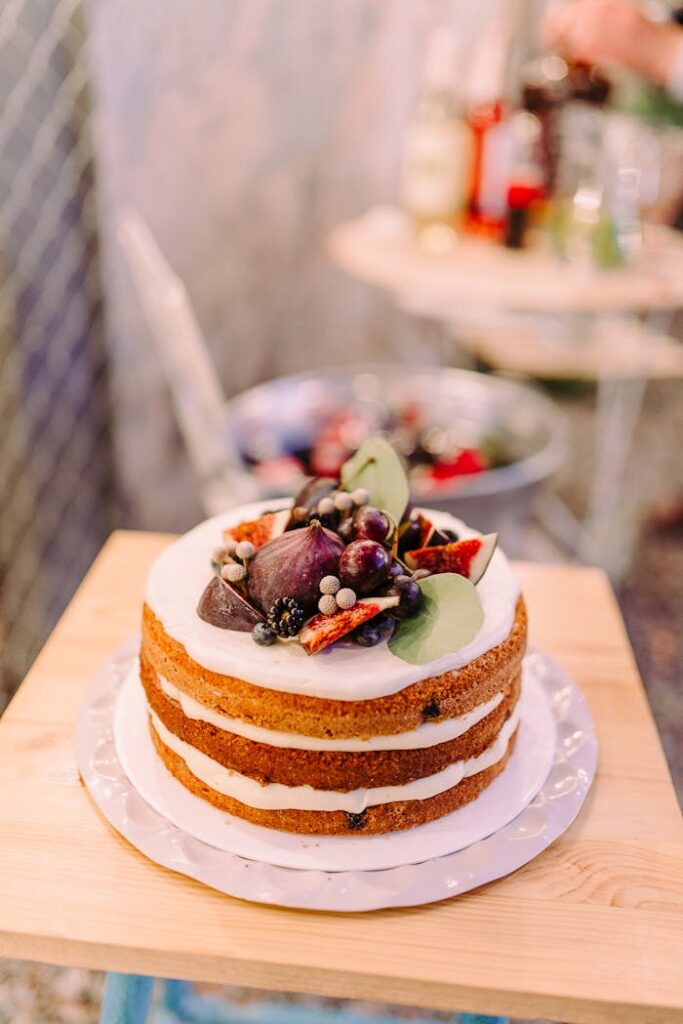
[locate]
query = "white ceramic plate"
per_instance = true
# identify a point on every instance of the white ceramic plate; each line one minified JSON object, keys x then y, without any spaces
{"x":541,"y":821}
{"x":504,"y":799}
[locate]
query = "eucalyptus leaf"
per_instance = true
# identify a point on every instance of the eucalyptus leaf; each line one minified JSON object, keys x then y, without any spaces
{"x":450,"y":617}
{"x":378,"y":469}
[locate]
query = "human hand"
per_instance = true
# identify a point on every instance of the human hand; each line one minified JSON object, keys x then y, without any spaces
{"x":605,"y":32}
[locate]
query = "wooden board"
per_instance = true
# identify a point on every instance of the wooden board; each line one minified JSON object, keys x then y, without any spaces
{"x":588,"y":932}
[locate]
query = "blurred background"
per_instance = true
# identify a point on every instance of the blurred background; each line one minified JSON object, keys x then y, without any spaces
{"x":453,"y":222}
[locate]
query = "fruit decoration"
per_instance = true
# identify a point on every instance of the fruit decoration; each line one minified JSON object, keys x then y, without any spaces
{"x":286,"y":617}
{"x":293,"y":565}
{"x":409,"y":594}
{"x":233,"y":572}
{"x":329,"y":585}
{"x":328,"y":604}
{"x":363,"y":565}
{"x":245,"y":550}
{"x":350,"y":560}
{"x":469,"y":558}
{"x":343,"y":502}
{"x":223,"y":606}
{"x":377,"y":469}
{"x":450,"y":617}
{"x":263,"y":635}
{"x":314,"y":491}
{"x":346,"y":598}
{"x":371,"y":523}
{"x":257,"y":531}
{"x":323,"y":630}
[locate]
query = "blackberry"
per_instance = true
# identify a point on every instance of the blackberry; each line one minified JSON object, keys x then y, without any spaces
{"x":286,"y":617}
{"x":356,"y":821}
{"x":431,"y":710}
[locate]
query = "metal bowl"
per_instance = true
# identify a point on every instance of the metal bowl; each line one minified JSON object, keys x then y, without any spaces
{"x":287,"y":413}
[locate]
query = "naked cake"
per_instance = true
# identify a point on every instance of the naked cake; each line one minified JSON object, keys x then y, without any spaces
{"x":341,"y":664}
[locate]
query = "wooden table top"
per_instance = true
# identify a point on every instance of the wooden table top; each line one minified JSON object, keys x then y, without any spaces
{"x":379,"y":248}
{"x":616,"y":348}
{"x":590,"y":931}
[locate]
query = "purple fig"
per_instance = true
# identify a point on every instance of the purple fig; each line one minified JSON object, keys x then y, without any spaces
{"x":223,"y":606}
{"x":293,"y":565}
{"x":314,"y":490}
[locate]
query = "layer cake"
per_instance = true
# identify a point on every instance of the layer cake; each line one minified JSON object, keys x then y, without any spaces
{"x":351,"y":740}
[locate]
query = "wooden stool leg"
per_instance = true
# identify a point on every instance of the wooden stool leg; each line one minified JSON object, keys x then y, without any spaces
{"x":182,"y":1004}
{"x":127,"y":999}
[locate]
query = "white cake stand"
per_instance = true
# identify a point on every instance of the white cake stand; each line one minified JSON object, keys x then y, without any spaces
{"x":529,"y":805}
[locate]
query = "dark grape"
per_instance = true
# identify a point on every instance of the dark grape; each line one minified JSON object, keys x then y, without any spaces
{"x":410,"y":597}
{"x":385,"y":626}
{"x":411,"y":536}
{"x":367,"y":635}
{"x":397,"y":569}
{"x":345,"y":530}
{"x":364,"y":564}
{"x":371,"y":523}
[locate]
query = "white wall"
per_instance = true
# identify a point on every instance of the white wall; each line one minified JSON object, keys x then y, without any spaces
{"x":244,"y":130}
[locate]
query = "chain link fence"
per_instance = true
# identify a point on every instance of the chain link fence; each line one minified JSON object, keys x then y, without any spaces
{"x":55,"y":466}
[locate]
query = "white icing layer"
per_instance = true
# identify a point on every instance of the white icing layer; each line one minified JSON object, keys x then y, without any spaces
{"x":427,"y":735}
{"x":275,"y":796}
{"x":344,"y":672}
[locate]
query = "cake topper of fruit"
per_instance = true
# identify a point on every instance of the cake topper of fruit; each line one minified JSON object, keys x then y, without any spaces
{"x":350,"y":561}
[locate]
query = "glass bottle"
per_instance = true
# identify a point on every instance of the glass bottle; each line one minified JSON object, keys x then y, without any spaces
{"x":437,"y":149}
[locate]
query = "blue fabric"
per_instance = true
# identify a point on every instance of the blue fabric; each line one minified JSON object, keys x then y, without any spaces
{"x":127,"y":999}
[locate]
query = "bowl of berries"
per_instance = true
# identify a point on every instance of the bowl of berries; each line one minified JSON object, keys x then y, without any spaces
{"x":473,"y":444}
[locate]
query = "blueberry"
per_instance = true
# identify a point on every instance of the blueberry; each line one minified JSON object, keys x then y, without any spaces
{"x":356,"y":821}
{"x":263,"y":635}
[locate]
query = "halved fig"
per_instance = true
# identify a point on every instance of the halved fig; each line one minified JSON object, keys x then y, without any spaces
{"x":222,"y":605}
{"x":323,"y":630}
{"x":259,"y":531}
{"x":469,"y":558}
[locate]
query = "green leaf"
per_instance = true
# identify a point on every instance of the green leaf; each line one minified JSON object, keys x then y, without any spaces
{"x":450,"y":618}
{"x":378,"y":469}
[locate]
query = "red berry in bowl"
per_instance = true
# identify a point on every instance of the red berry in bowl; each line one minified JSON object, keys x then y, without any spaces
{"x":364,"y":564}
{"x":371,"y":523}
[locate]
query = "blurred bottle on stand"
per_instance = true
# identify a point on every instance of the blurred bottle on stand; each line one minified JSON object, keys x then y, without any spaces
{"x":543,"y":89}
{"x":437,"y":152}
{"x":596,"y":221}
{"x":527,"y":185}
{"x":488,"y":115}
